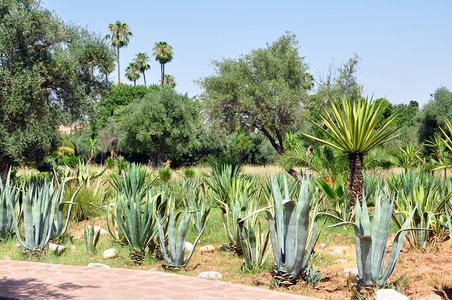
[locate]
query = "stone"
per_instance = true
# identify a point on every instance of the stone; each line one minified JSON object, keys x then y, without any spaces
{"x":322,"y":246}
{"x":340,"y":261}
{"x":338,"y":250}
{"x":224,"y":247}
{"x":351,"y":274}
{"x":153,"y":270}
{"x":6,"y":257}
{"x":110,"y":253}
{"x":57,"y":249}
{"x":210,"y":275}
{"x":188,"y":247}
{"x":99,"y":265}
{"x":431,"y":297}
{"x":101,"y":230}
{"x":388,"y":294}
{"x":207,"y":249}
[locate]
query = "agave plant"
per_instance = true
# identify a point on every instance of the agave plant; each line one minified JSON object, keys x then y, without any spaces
{"x":292,"y":231}
{"x":9,"y":197}
{"x":193,"y":201}
{"x":420,"y":197}
{"x":173,"y":251}
{"x":39,"y":204}
{"x":91,"y":237}
{"x":449,"y":220}
{"x":371,"y":240}
{"x":254,"y":243}
{"x":136,"y":222}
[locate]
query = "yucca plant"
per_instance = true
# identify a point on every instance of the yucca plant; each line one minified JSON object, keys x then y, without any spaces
{"x":91,"y":238}
{"x":292,"y":231}
{"x":337,"y":195}
{"x":172,"y":245}
{"x":40,"y":200}
{"x":354,"y":128}
{"x":371,"y":240}
{"x":9,"y":196}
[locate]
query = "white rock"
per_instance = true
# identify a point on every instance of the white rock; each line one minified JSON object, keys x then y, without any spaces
{"x":110,"y":253}
{"x":188,"y":247}
{"x":207,"y":249}
{"x":101,"y":230}
{"x":210,"y":275}
{"x":322,"y":246}
{"x":98,"y":265}
{"x":336,"y":252}
{"x":351,"y":273}
{"x":431,"y":297}
{"x":340,"y":261}
{"x":57,"y":249}
{"x":388,"y":294}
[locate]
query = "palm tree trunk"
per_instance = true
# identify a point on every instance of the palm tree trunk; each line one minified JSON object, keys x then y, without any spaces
{"x":162,"y":70}
{"x":356,"y":184}
{"x":119,"y":67}
{"x":144,"y":77}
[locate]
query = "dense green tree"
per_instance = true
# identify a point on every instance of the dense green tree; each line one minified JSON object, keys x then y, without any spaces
{"x":120,"y":34}
{"x":435,"y":113}
{"x":142,"y":63}
{"x":49,"y":71}
{"x":163,"y":53}
{"x":118,"y":96}
{"x":160,"y":125}
{"x":262,"y":90}
{"x":133,"y":73}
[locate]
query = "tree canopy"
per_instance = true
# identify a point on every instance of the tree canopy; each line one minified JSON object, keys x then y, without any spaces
{"x":262,"y":90}
{"x":48,"y":71}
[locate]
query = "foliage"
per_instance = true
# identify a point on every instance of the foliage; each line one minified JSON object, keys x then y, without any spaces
{"x":50,"y":73}
{"x":163,"y":54}
{"x":9,"y":196}
{"x":174,"y":251}
{"x":292,"y":231}
{"x":434,"y":114}
{"x":91,"y":238}
{"x":119,"y":37}
{"x":261,"y":90}
{"x":41,"y":201}
{"x":355,"y":128}
{"x":371,"y":240}
{"x":159,"y":125}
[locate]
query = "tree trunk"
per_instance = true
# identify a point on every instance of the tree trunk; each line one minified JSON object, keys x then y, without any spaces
{"x":356,"y":184}
{"x":144,"y":78}
{"x":119,"y":67}
{"x":4,"y":169}
{"x":162,"y":70}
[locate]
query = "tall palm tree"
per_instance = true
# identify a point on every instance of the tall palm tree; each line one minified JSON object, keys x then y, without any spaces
{"x":132,"y":73}
{"x":163,"y":53}
{"x":141,"y":61}
{"x":119,"y":36}
{"x":354,"y":128}
{"x":170,"y":80}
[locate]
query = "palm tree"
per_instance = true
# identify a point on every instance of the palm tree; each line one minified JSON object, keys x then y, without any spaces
{"x":163,"y":53}
{"x":120,"y":34}
{"x":354,"y":128}
{"x":141,"y":62}
{"x":133,"y":73}
{"x":170,"y":80}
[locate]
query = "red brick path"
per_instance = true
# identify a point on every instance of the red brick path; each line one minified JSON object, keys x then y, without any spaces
{"x":29,"y":280}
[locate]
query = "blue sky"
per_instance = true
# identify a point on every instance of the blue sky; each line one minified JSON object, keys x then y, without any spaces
{"x":404,"y":46}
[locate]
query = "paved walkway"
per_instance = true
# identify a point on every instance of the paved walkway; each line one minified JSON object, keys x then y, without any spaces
{"x":29,"y":280}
